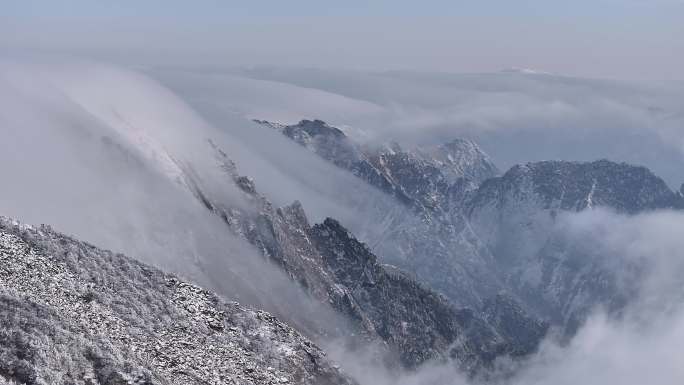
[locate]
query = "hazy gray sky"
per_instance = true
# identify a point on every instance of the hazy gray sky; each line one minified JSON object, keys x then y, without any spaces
{"x":629,"y":39}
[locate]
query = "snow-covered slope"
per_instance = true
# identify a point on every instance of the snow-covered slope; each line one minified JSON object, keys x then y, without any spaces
{"x":72,"y":313}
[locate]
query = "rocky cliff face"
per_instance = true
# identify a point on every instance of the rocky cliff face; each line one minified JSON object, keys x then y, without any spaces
{"x":75,"y":314}
{"x":420,"y":323}
{"x":516,"y":215}
{"x":435,"y":243}
{"x":460,"y":158}
{"x":407,"y":318}
{"x":332,"y":144}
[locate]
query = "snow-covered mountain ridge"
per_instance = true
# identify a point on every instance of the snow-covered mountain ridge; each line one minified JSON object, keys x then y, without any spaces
{"x":432,"y":242}
{"x":505,"y":225}
{"x":412,"y":322}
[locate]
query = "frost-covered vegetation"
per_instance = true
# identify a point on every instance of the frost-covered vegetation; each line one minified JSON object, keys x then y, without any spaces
{"x":75,"y":314}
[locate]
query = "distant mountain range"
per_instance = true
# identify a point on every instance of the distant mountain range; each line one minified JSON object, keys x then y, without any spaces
{"x":479,"y":234}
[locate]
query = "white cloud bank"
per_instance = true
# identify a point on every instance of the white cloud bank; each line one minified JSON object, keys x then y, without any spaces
{"x":642,"y":345}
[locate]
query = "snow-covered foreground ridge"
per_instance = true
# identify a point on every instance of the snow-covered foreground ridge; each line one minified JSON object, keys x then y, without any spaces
{"x":73,"y":313}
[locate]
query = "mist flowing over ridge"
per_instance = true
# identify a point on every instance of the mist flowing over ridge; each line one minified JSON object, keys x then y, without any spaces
{"x":515,"y":117}
{"x":115,"y":162}
{"x":350,"y":193}
{"x":460,"y":268}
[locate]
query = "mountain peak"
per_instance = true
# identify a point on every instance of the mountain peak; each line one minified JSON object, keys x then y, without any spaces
{"x":314,"y":128}
{"x":461,"y":158}
{"x":574,"y":186}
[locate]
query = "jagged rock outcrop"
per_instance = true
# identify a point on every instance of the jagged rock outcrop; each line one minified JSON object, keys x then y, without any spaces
{"x":332,"y":144}
{"x":74,"y":314}
{"x":435,"y":243}
{"x":420,"y":177}
{"x":422,"y":324}
{"x":383,"y":306}
{"x":460,"y":158}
